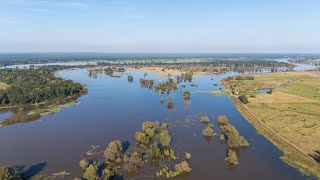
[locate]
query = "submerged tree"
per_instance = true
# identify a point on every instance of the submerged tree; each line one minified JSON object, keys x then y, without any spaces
{"x":91,"y":172}
{"x":222,"y":120}
{"x":84,"y":164}
{"x":232,"y":157}
{"x":132,"y":162}
{"x":186,"y":95}
{"x":170,"y":104}
{"x":208,"y":131}
{"x":165,"y":138}
{"x":114,"y":151}
{"x":234,"y":139}
{"x":161,"y":100}
{"x":5,"y":173}
{"x":204,"y":119}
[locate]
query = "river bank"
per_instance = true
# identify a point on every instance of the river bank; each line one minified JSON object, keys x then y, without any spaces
{"x":272,"y":114}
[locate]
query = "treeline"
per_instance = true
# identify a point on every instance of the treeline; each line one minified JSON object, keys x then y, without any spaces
{"x":28,"y":86}
{"x":241,"y":78}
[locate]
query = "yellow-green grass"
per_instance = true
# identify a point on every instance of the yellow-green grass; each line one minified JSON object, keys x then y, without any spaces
{"x":290,"y":155}
{"x":292,"y":111}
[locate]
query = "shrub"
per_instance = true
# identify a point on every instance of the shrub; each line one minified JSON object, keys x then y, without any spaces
{"x":208,"y":131}
{"x":222,"y":137}
{"x":188,"y":155}
{"x":162,"y":100}
{"x":91,"y":173}
{"x":155,"y":150}
{"x":83,"y":164}
{"x":165,"y":138}
{"x":186,"y":95}
{"x":270,"y":91}
{"x":141,"y":137}
{"x":204,"y":119}
{"x":170,"y":104}
{"x":109,"y":172}
{"x":234,"y":139}
{"x":5,"y":174}
{"x":183,"y":167}
{"x":163,"y":126}
{"x":222,"y":120}
{"x":152,"y":125}
{"x":244,"y":99}
{"x":113,"y":151}
{"x":132,"y":162}
{"x":232,"y":157}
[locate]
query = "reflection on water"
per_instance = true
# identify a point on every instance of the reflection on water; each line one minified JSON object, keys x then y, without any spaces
{"x":115,"y":109}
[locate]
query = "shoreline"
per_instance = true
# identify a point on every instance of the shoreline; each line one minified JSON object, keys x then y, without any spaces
{"x":292,"y":154}
{"x":166,"y":72}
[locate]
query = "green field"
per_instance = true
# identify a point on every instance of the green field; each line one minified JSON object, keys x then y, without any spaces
{"x":292,"y":110}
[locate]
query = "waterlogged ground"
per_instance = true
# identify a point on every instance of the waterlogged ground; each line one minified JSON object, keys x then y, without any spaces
{"x":115,"y":109}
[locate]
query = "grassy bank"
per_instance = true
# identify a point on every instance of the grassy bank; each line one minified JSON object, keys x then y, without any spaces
{"x":288,"y":117}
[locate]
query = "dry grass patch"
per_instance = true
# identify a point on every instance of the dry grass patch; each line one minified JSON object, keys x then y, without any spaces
{"x":3,"y":85}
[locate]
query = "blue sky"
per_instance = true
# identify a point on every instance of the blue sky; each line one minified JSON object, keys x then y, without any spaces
{"x":195,"y":26}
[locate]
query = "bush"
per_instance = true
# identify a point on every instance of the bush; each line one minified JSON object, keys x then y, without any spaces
{"x":204,"y":119}
{"x":222,"y":137}
{"x":244,"y":99}
{"x":183,"y":167}
{"x":232,"y":157}
{"x":186,"y":95}
{"x":162,"y":100}
{"x":208,"y":131}
{"x":132,"y":162}
{"x":170,"y":104}
{"x":234,"y":139}
{"x":83,"y":164}
{"x":109,"y":172}
{"x":270,"y":91}
{"x":165,"y":138}
{"x":155,"y":150}
{"x":114,"y":151}
{"x":91,"y":173}
{"x":222,"y":120}
{"x":5,"y":174}
{"x":142,"y":137}
{"x":188,"y":155}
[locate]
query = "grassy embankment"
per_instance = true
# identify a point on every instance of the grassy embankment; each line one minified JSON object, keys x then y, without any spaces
{"x":289,"y":117}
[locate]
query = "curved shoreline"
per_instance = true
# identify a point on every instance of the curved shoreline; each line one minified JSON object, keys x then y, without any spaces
{"x":292,"y":154}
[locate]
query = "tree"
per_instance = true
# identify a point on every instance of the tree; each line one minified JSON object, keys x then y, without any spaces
{"x":244,"y":99}
{"x":186,"y":95}
{"x":5,"y":174}
{"x":232,"y":157}
{"x":165,"y":138}
{"x":208,"y":131}
{"x":91,"y":173}
{"x":170,"y":104}
{"x":83,"y":164}
{"x":222,"y":120}
{"x":114,"y":151}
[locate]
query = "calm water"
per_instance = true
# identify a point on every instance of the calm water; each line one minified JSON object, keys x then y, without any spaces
{"x":115,"y":109}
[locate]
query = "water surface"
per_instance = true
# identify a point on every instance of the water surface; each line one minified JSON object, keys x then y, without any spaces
{"x":115,"y":109}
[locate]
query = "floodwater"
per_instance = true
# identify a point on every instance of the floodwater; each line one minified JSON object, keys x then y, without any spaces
{"x":115,"y":109}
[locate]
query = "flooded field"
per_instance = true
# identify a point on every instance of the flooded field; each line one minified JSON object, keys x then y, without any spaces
{"x":114,"y":109}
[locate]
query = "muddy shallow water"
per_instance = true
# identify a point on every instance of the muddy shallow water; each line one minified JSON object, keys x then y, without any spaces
{"x":115,"y":109}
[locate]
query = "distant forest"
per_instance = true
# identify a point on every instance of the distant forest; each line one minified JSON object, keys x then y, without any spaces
{"x":7,"y":59}
{"x":28,"y":86}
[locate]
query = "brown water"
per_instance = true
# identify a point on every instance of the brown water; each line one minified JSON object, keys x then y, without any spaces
{"x":115,"y":109}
